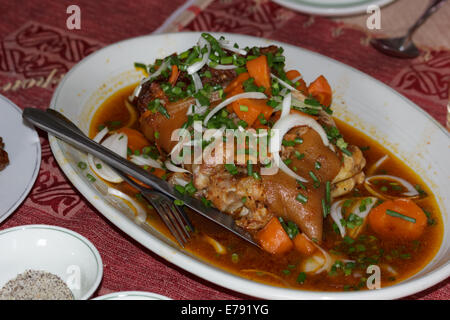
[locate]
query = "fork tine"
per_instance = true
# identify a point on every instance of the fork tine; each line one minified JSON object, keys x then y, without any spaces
{"x":177,"y":213}
{"x":162,"y":212}
{"x":186,"y":221}
{"x":175,"y":220}
{"x":173,"y":216}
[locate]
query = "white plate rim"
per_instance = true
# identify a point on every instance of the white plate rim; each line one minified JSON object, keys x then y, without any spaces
{"x":331,"y":10}
{"x":146,"y":294}
{"x":37,"y":165}
{"x":203,"y":269}
{"x":75,"y":235}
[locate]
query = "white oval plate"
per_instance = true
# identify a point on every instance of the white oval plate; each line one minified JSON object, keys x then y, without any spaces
{"x":53,"y":249}
{"x":331,"y":7}
{"x":360,"y":100}
{"x":24,"y":152}
{"x":132,"y":295}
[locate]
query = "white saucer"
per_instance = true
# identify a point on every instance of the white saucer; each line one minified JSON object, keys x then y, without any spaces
{"x":24,"y":152}
{"x":132,"y":295}
{"x":331,"y":7}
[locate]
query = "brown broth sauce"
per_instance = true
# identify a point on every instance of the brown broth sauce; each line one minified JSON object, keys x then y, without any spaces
{"x":407,"y":257}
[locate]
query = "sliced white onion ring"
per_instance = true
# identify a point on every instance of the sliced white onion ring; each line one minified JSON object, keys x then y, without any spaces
{"x":411,"y":191}
{"x":286,"y":105}
{"x":227,"y":45}
{"x":336,"y":215}
{"x":283,"y":125}
{"x":297,"y":78}
{"x":171,"y":167}
{"x":180,"y":181}
{"x":198,"y":85}
{"x":142,"y":161}
{"x":99,"y":137}
{"x":223,"y":66}
{"x":198,"y":65}
{"x":376,"y":165}
{"x":336,"y":212}
{"x":141,"y":214}
{"x":328,"y":263}
{"x":220,"y":249}
{"x":369,"y":207}
{"x":245,"y":95}
{"x":116,"y":143}
{"x":284,"y":83}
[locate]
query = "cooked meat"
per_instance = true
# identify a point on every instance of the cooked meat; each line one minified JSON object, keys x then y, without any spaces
{"x":158,"y":128}
{"x":352,"y":165}
{"x":281,"y":190}
{"x":236,"y":194}
{"x":270,"y":49}
{"x":345,"y":186}
{"x":4,"y":159}
{"x":217,"y":77}
{"x":150,"y":91}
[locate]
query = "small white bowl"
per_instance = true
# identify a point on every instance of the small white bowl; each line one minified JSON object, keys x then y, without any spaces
{"x":132,"y":295}
{"x":53,"y":249}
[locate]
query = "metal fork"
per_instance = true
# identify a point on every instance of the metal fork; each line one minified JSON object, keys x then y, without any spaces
{"x":173,"y":216}
{"x":59,"y":126}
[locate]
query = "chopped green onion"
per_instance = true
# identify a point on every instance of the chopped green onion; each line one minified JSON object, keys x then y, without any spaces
{"x":231,"y":168}
{"x":301,"y":277}
{"x":301,"y":198}
{"x":82,"y":165}
{"x":90,"y":177}
{"x":328,"y":192}
{"x":226,"y":60}
{"x":315,"y":179}
{"x":243,"y":108}
{"x":396,"y":214}
{"x":249,"y":168}
{"x":178,"y":202}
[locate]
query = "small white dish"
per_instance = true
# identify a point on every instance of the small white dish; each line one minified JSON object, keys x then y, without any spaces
{"x":132,"y":295}
{"x":53,"y":249}
{"x":24,"y":152}
{"x":331,"y":8}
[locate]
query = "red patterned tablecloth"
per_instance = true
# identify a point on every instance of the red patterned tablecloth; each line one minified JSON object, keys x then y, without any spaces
{"x":37,"y":49}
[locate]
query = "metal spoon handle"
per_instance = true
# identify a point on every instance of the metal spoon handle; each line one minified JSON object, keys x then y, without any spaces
{"x":432,"y":8}
{"x":53,"y":124}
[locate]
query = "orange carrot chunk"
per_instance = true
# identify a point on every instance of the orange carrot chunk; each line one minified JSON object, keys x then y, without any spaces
{"x":398,"y":219}
{"x":174,"y":75}
{"x":237,"y":82}
{"x":321,"y":90}
{"x":136,"y":140}
{"x":249,"y":109}
{"x":303,"y":245}
{"x":302,"y":87}
{"x":258,"y":69}
{"x":292,"y":74}
{"x":273,"y":239}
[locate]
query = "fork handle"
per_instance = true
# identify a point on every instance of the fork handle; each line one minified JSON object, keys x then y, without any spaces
{"x":51,"y":123}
